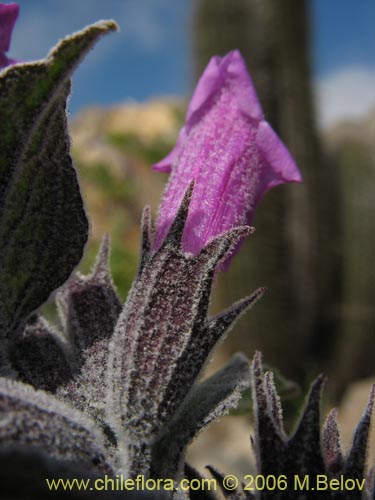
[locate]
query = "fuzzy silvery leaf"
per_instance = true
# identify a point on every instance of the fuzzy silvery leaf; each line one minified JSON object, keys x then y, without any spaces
{"x":89,"y":308}
{"x":35,"y":420}
{"x":41,"y":357}
{"x":355,"y":461}
{"x":43,"y":226}
{"x":277,"y":453}
{"x":206,"y":401}
{"x":331,"y":442}
{"x":370,"y":484}
{"x":303,"y":448}
{"x":228,"y":494}
{"x":269,"y":440}
{"x":201,"y":494}
{"x":205,"y":335}
{"x":306,"y":452}
{"x":165,"y":314}
{"x":274,"y":401}
{"x":23,"y":475}
{"x":283,"y":388}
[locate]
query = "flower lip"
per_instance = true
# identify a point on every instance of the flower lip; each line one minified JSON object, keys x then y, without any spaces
{"x":8,"y":16}
{"x":276,"y":155}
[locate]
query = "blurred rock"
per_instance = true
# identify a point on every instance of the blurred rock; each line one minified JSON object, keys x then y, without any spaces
{"x":155,"y":120}
{"x":151,"y":120}
{"x":113,"y":149}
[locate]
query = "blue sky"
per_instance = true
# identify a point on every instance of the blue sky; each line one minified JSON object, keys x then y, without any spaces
{"x":152,"y":55}
{"x":344,"y":34}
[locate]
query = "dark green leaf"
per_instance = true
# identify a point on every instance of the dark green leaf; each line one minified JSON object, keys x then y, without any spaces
{"x":43,"y":226}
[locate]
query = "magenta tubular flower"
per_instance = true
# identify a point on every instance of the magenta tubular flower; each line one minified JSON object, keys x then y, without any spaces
{"x":229,"y":150}
{"x":8,"y":16}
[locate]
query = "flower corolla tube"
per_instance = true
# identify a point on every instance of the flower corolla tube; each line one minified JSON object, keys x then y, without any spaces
{"x":230,"y":152}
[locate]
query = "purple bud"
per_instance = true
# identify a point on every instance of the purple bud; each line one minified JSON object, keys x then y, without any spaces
{"x":8,"y":17}
{"x":230,"y":151}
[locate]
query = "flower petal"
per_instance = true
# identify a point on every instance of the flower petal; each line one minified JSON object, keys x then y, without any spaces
{"x":283,"y":167}
{"x":165,"y":165}
{"x":8,"y":16}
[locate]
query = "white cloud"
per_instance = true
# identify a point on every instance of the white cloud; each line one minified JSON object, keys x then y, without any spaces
{"x":348,"y":93}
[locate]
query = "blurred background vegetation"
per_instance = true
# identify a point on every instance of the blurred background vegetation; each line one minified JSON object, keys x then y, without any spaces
{"x":315,"y":243}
